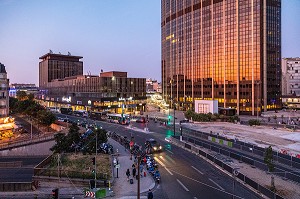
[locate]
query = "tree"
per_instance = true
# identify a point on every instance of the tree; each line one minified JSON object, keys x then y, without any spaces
{"x":46,"y":117}
{"x":269,"y":161}
{"x":21,"y":95}
{"x":90,"y":141}
{"x":13,"y":104}
{"x":61,"y":143}
{"x":73,"y":137}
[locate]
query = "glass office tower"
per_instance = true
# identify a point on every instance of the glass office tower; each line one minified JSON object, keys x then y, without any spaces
{"x":226,"y":50}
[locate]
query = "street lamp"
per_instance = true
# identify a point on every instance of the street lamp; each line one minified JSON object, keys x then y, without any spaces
{"x":174,"y":117}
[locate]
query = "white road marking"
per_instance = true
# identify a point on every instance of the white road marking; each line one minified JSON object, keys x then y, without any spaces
{"x":168,"y":171}
{"x":163,"y":165}
{"x":182,"y":185}
{"x":197,"y":170}
{"x":195,"y":198}
{"x":160,"y":162}
{"x":216,"y":184}
{"x":169,"y":151}
{"x":169,"y":158}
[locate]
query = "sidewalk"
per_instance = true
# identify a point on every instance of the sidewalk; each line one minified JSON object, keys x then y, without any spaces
{"x":121,"y":187}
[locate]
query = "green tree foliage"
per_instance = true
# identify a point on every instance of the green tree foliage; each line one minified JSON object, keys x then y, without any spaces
{"x":254,"y":122}
{"x":12,"y":104}
{"x":90,"y":141}
{"x":46,"y":117}
{"x":21,"y":95}
{"x":73,"y":136}
{"x":200,"y":117}
{"x":269,"y":159}
{"x":61,"y":143}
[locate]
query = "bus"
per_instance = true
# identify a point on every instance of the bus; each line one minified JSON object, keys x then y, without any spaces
{"x":80,"y":113}
{"x":97,"y":115}
{"x":118,"y":119}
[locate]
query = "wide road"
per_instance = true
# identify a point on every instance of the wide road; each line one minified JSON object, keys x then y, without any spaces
{"x":183,"y":174}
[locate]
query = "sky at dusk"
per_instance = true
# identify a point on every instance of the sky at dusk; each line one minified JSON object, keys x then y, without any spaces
{"x":121,"y":35}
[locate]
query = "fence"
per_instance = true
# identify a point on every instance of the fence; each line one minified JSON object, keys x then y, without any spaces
{"x":240,"y":156}
{"x":20,"y":143}
{"x":267,"y":192}
{"x":247,"y":147}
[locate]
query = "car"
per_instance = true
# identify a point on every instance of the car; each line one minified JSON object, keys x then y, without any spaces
{"x":184,"y":121}
{"x":141,"y":120}
{"x":152,"y":146}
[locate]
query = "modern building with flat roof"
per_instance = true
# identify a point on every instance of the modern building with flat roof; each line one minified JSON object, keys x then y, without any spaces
{"x":291,"y":76}
{"x":225,"y":50}
{"x":57,"y":66}
{"x":110,"y":91}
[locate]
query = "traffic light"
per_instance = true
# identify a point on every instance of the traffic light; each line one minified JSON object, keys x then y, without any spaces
{"x":94,"y":160}
{"x":55,"y":193}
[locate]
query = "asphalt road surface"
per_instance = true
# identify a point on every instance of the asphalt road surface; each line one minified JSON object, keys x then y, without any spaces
{"x":183,"y":174}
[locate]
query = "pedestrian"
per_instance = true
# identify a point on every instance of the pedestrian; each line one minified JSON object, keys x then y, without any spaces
{"x":150,"y":194}
{"x":133,"y":172}
{"x":141,"y":169}
{"x":127,"y":174}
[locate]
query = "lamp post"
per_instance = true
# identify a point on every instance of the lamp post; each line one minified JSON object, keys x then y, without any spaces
{"x":96,"y":159}
{"x":174,"y":117}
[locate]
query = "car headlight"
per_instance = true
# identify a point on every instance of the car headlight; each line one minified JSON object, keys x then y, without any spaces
{"x":160,"y":147}
{"x":155,"y":148}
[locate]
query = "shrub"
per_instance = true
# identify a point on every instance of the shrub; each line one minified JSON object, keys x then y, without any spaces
{"x":254,"y":122}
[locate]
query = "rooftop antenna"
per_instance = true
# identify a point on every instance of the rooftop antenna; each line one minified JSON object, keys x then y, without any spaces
{"x":50,"y":51}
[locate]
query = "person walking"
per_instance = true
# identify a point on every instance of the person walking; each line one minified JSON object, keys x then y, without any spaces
{"x":141,"y":169}
{"x":150,"y":194}
{"x":133,"y":172}
{"x":127,"y":174}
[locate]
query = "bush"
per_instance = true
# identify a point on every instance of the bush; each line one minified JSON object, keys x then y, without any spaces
{"x":254,"y":122}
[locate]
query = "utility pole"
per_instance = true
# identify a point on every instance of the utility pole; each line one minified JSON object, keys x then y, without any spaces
{"x":96,"y":160}
{"x":139,"y":177}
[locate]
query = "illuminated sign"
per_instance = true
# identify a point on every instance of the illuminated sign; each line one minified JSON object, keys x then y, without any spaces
{"x":89,"y":102}
{"x":66,"y":99}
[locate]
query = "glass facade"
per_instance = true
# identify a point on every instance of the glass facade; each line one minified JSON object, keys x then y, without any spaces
{"x":226,"y":50}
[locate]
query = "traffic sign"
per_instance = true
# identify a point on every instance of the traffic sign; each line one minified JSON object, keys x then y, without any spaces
{"x":118,"y":166}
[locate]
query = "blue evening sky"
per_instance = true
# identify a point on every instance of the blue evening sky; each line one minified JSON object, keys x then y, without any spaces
{"x":121,"y":35}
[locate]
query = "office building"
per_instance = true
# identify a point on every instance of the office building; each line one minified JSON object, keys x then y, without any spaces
{"x":110,"y":91}
{"x":58,"y":66}
{"x":291,"y":76}
{"x":28,"y":88}
{"x":4,"y":98}
{"x":225,"y":50}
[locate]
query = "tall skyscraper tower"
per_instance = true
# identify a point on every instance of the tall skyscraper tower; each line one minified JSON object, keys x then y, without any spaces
{"x":58,"y":66}
{"x":226,"y":50}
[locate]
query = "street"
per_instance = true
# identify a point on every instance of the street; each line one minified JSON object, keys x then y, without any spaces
{"x":184,"y":175}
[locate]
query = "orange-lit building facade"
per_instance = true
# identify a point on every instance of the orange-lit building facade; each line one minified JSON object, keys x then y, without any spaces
{"x":226,"y":50}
